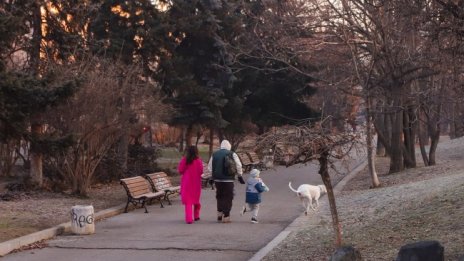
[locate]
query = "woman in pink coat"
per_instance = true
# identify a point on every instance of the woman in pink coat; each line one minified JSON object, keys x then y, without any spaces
{"x":191,"y":168}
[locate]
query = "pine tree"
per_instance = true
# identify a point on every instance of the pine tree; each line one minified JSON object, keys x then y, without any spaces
{"x":26,"y":93}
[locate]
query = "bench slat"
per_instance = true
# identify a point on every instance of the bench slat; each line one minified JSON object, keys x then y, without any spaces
{"x":254,"y":157}
{"x":136,"y":185}
{"x":138,"y":192}
{"x":150,"y":195}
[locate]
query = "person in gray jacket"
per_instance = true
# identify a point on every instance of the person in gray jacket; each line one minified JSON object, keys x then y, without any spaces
{"x":224,"y":183}
{"x":255,"y":186}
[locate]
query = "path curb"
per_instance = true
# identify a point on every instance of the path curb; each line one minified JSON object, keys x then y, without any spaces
{"x":298,"y":222}
{"x":13,"y":244}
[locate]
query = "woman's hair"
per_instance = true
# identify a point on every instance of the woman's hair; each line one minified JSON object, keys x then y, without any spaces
{"x":191,"y":154}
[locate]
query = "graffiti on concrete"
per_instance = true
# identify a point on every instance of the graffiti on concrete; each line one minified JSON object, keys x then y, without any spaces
{"x":81,"y":220}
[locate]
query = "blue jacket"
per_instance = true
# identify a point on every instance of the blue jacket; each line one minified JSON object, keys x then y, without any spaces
{"x":254,"y":189}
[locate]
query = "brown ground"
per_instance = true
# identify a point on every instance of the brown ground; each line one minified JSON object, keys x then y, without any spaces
{"x":27,"y":212}
{"x":418,"y":204}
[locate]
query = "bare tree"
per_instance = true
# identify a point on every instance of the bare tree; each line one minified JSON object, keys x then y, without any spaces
{"x":93,"y":118}
{"x":388,"y":36}
{"x":314,"y":142}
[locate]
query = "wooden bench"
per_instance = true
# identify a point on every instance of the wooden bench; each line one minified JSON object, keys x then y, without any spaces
{"x":161,"y":182}
{"x":255,"y":161}
{"x":139,"y":192}
{"x":245,"y":160}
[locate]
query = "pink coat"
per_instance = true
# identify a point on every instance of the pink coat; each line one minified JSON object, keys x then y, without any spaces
{"x":190,"y":185}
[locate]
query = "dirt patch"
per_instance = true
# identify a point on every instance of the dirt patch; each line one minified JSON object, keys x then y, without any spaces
{"x":424,"y":203}
{"x":22,"y":213}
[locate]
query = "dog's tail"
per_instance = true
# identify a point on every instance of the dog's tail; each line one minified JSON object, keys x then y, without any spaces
{"x":290,"y":186}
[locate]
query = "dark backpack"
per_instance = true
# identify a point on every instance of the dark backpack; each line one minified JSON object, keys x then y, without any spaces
{"x":230,"y":166}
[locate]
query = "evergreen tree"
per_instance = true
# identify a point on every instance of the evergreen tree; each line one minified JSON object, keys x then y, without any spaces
{"x":28,"y":89}
{"x":219,"y":74}
{"x":196,"y":76}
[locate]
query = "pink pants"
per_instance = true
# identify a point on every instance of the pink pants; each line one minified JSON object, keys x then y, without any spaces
{"x":189,"y":212}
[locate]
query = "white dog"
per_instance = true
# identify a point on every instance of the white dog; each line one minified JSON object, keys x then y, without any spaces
{"x":307,"y":193}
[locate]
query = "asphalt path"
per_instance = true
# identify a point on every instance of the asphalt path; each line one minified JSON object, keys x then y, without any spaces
{"x":163,"y":235}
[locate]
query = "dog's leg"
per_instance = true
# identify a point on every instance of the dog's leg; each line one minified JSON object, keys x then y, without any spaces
{"x":311,"y":204}
{"x":303,"y":203}
{"x":306,"y":205}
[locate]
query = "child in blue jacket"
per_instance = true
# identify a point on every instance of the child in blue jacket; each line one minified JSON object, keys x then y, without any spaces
{"x":255,"y":186}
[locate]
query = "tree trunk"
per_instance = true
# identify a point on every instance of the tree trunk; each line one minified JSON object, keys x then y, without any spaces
{"x":371,"y":154}
{"x":370,"y":146}
{"x":382,"y":126}
{"x":382,"y":138}
{"x":380,"y":149}
{"x":324,"y":172}
{"x":388,"y":132}
{"x":434,"y":138}
{"x":211,"y":142}
{"x":36,"y":38}
{"x":188,"y":136}
{"x":434,"y":131}
{"x":409,"y":137}
{"x":433,"y":148}
{"x":423,"y":139}
{"x":36,"y":170}
{"x":396,"y":155}
{"x":379,"y":120}
{"x":422,"y":131}
{"x":459,"y":122}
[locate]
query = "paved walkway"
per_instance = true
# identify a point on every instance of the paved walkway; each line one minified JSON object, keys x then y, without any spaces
{"x":163,"y":235}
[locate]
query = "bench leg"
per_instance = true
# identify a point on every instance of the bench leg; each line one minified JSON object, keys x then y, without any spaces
{"x":144,"y":206}
{"x":127,"y":205}
{"x":161,"y":203}
{"x":166,"y":197}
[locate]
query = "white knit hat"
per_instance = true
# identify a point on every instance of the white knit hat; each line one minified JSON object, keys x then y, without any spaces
{"x":225,"y":144}
{"x":254,"y":173}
